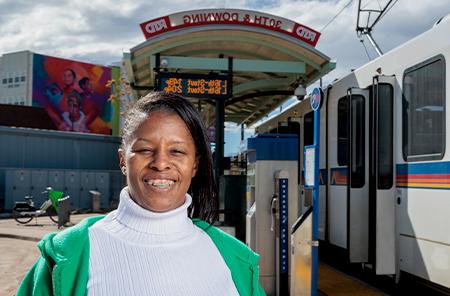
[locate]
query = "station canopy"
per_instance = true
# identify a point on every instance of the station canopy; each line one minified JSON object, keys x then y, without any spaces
{"x":271,"y":57}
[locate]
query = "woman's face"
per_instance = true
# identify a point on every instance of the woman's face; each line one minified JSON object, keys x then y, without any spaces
{"x":160,"y":162}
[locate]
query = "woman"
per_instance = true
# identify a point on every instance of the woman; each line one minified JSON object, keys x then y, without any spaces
{"x":160,"y":240}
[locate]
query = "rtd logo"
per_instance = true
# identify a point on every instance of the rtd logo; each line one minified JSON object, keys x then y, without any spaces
{"x":306,"y":33}
{"x":156,"y":26}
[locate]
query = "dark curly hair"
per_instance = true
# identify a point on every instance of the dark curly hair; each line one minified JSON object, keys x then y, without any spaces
{"x":203,"y":187}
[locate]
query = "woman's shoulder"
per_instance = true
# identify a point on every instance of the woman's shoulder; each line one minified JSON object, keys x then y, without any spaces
{"x":227,"y":244}
{"x":67,"y":242}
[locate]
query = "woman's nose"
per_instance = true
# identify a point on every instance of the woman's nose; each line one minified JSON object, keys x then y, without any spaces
{"x":160,"y":162}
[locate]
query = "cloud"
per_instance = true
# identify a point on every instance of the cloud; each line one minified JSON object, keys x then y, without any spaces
{"x":100,"y":30}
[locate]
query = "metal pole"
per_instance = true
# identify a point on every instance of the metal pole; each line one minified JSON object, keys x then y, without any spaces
{"x":220,"y":124}
{"x":219,"y":153}
{"x":374,"y":44}
{"x":315,"y":217}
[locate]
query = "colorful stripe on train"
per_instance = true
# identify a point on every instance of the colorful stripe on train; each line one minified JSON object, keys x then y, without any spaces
{"x":338,"y":176}
{"x":322,"y":177}
{"x":430,"y":175}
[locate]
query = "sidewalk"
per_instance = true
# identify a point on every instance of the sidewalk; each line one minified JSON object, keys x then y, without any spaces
{"x":18,"y":248}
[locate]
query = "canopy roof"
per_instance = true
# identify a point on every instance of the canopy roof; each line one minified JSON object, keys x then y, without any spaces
{"x":272,"y":56}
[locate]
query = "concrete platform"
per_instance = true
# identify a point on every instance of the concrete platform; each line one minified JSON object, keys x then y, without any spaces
{"x":19,"y":251}
{"x":18,"y":248}
{"x":333,"y":282}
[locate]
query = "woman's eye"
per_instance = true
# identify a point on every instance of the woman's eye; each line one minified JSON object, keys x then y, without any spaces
{"x":143,"y":150}
{"x":177,"y":152}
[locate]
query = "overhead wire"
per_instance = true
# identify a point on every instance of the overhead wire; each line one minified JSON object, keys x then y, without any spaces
{"x":335,"y":16}
{"x":389,"y":8}
{"x":365,"y":48}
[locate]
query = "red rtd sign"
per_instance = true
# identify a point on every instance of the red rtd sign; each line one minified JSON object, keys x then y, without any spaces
{"x":154,"y":27}
{"x":181,"y":20}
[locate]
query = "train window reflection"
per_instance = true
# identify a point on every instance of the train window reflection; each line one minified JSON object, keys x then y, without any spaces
{"x":357,"y":140}
{"x":342,"y":132}
{"x":385,"y":128}
{"x":424,"y":111}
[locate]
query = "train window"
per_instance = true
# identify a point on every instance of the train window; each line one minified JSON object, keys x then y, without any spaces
{"x":424,"y":111}
{"x":357,"y":134}
{"x":342,"y":132}
{"x":385,"y":138}
{"x":357,"y":142}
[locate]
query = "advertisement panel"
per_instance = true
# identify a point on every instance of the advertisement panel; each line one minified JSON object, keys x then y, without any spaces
{"x":73,"y":93}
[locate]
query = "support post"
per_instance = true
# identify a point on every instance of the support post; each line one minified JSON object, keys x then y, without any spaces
{"x":219,"y":153}
{"x":220,"y":124}
{"x":315,"y":217}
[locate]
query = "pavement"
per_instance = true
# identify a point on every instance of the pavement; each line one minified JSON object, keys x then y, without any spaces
{"x":18,"y":247}
{"x":19,"y":251}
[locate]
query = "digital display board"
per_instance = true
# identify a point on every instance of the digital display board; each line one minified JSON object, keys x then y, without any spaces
{"x":195,"y":85}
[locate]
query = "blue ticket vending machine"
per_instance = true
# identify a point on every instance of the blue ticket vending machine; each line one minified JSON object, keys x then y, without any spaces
{"x":272,"y":177}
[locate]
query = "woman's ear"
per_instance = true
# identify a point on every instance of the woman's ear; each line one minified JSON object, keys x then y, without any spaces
{"x":122,"y":162}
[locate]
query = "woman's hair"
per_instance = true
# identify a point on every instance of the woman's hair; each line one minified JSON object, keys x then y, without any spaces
{"x":203,"y":186}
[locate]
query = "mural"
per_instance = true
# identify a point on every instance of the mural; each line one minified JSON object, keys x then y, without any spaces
{"x":73,"y":93}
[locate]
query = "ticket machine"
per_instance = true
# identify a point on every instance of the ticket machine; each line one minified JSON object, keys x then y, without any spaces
{"x":272,"y":181}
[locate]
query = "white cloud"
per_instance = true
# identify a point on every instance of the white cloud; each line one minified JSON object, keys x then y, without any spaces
{"x":99,"y":30}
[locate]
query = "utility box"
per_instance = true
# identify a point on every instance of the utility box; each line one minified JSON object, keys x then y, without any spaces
{"x":266,"y":155}
{"x":56,"y":179}
{"x":17,"y":186}
{"x":87,"y":183}
{"x":96,"y":200}
{"x":102,"y":185}
{"x":39,"y":181}
{"x":72,"y":187}
{"x":63,"y":211}
{"x":118,"y":181}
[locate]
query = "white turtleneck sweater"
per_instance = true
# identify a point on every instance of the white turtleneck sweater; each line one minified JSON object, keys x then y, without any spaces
{"x":134,"y":251}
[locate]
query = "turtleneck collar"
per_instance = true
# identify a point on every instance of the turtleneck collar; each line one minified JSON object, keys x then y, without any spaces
{"x":153,"y":226}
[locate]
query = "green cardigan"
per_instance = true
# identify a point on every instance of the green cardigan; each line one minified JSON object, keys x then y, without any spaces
{"x":63,"y":267}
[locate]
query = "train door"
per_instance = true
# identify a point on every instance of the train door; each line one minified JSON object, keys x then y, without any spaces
{"x":357,"y":168}
{"x":381,"y":176}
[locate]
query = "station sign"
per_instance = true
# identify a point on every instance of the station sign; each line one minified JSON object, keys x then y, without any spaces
{"x":195,"y":85}
{"x":234,"y":17}
{"x":316,"y":98}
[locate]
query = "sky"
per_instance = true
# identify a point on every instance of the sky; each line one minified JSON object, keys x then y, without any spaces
{"x":99,"y":31}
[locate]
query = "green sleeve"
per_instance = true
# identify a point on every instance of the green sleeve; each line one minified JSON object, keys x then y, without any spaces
{"x":257,"y":288}
{"x":37,"y":281}
{"x":260,"y":291}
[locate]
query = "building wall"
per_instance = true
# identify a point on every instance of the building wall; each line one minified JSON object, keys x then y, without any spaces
{"x":30,"y":148}
{"x":71,"y":162}
{"x":15,"y":78}
{"x":32,"y":79}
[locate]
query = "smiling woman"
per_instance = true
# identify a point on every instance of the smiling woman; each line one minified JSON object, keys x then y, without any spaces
{"x":164,"y":143}
{"x":160,"y":240}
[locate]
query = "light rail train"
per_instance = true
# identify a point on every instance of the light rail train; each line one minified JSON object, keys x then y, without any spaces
{"x":385,"y":160}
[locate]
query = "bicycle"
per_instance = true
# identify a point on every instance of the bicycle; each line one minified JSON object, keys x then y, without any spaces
{"x":24,"y":211}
